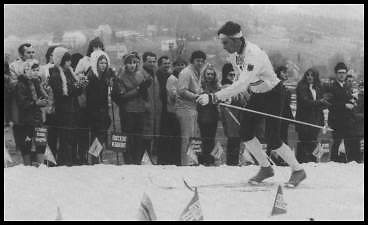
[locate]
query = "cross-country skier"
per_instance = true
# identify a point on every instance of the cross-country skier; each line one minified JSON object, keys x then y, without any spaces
{"x":255,"y":74}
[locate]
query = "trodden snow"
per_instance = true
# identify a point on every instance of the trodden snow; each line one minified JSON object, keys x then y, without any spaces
{"x":331,"y":191}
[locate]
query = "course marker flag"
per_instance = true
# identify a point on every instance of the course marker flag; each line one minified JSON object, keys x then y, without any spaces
{"x":49,"y":156}
{"x":145,"y":211}
{"x":95,"y":148}
{"x":146,"y":160}
{"x":279,"y":206}
{"x":193,"y":211}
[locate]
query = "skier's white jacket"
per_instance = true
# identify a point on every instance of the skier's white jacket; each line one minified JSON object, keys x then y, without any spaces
{"x":253,"y":69}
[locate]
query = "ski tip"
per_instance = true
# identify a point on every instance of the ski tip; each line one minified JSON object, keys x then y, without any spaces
{"x":253,"y":182}
{"x":289,"y":185}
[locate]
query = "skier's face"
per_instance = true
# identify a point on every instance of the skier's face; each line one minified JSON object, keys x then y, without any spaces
{"x":229,"y":44}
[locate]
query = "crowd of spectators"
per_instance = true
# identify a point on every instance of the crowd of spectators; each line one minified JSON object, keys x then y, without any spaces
{"x":156,"y":97}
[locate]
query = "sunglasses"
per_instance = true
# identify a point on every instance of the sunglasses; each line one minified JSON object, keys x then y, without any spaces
{"x":30,"y":52}
{"x":231,"y":74}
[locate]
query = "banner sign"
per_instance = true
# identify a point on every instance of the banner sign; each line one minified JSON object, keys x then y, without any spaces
{"x":362,"y":145}
{"x":195,"y":144}
{"x":40,"y":136}
{"x":118,"y":142}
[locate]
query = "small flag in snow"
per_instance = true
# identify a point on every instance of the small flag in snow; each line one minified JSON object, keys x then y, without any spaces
{"x":145,"y":211}
{"x":192,"y":156}
{"x":7,"y":157}
{"x":193,"y":211}
{"x":49,"y":156}
{"x":279,"y":206}
{"x":95,"y":148}
{"x":58,"y":216}
{"x":146,"y":160}
{"x":342,"y":148}
{"x":218,"y":151}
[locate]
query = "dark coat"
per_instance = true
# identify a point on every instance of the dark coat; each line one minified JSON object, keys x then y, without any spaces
{"x":308,"y":110}
{"x":28,"y":91}
{"x":339,"y":96}
{"x":65,"y":104}
{"x":208,"y":113}
{"x":287,"y":113}
{"x":97,"y":98}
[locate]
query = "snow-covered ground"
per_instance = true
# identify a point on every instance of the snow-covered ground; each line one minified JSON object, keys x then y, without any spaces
{"x":107,"y":192}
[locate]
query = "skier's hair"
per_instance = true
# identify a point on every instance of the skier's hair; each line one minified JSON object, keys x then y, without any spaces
{"x":229,"y":28}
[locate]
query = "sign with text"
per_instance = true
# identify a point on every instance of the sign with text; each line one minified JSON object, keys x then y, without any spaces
{"x":362,"y":145}
{"x":118,"y":142}
{"x":195,"y":144}
{"x":40,"y":136}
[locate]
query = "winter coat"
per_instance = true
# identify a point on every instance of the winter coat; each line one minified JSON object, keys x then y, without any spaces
{"x":208,"y":113}
{"x":308,"y":110}
{"x":162,"y":76}
{"x":337,"y":111}
{"x":16,"y":69}
{"x":97,"y":93}
{"x":153,"y":105}
{"x":124,"y":92}
{"x":28,"y":91}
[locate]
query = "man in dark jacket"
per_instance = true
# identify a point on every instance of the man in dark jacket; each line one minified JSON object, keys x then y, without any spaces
{"x":163,"y":73}
{"x":338,"y":110}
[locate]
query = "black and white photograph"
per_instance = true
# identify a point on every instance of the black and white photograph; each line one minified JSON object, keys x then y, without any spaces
{"x":184,"y":112}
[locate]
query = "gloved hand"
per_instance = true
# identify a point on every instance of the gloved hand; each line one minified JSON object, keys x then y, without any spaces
{"x":41,"y":102}
{"x":145,"y":84}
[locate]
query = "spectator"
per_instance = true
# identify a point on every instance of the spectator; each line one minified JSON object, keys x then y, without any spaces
{"x":66,"y":89}
{"x":163,"y":147}
{"x":281,"y":73}
{"x":189,"y":88}
{"x":208,"y":116}
{"x":354,"y":121}
{"x":30,"y":97}
{"x":173,"y":142}
{"x":85,"y":63}
{"x":153,"y":104}
{"x":76,"y":57}
{"x":338,"y":110}
{"x":26,"y":52}
{"x":99,"y":79}
{"x":127,"y":92}
{"x":49,"y":110}
{"x":7,"y":94}
{"x":310,"y":103}
{"x":231,"y":128}
{"x":83,"y":133}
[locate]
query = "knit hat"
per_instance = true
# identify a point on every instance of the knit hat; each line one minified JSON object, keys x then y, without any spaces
{"x":341,"y":67}
{"x":58,"y":54}
{"x":94,"y":59}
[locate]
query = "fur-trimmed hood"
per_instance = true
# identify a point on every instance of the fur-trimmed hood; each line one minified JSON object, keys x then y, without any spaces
{"x":58,"y":54}
{"x":94,"y":59}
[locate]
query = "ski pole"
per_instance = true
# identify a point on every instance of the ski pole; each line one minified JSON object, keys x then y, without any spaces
{"x":324,"y":128}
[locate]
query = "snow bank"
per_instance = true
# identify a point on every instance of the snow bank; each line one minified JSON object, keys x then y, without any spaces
{"x":107,"y":192}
